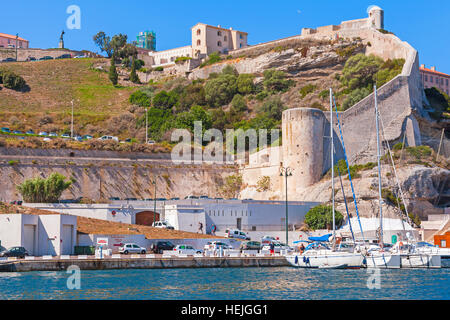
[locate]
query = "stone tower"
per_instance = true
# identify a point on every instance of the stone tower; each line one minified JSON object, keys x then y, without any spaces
{"x":303,"y":130}
{"x":376,"y":17}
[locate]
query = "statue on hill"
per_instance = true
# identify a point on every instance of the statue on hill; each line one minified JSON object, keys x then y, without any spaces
{"x":61,"y":40}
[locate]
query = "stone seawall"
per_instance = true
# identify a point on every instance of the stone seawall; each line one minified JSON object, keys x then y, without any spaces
{"x":142,"y":263}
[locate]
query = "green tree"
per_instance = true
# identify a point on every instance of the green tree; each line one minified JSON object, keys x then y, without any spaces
{"x":104,"y":43}
{"x":273,"y":108}
{"x":238,"y":103}
{"x":113,"y":75}
{"x":193,"y":94}
{"x":165,"y":100}
{"x":359,"y":71}
{"x":40,"y":190}
{"x":221,"y":90}
{"x":245,"y":83}
{"x":229,"y":69}
{"x":133,"y":75}
{"x":321,"y":217}
{"x":139,"y":98}
{"x":197,"y":113}
{"x":275,"y":81}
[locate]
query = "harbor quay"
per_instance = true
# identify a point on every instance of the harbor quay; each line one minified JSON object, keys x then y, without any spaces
{"x":137,"y":262}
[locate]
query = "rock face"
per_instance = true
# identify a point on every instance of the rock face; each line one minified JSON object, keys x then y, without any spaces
{"x":421,"y":186}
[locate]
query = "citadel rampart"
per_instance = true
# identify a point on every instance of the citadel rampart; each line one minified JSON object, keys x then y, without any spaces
{"x":308,"y":152}
{"x":24,"y":54}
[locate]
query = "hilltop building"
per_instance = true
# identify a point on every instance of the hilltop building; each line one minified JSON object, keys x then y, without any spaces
{"x":10,"y":41}
{"x":432,"y":78}
{"x":206,"y":39}
{"x":146,"y":40}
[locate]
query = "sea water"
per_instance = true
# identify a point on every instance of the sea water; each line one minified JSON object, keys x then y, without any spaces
{"x":230,"y":284}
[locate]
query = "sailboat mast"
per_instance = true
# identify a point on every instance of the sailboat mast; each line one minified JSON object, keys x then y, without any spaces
{"x":332,"y":163}
{"x":379,"y":166}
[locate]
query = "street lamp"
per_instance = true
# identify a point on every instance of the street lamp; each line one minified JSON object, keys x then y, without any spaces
{"x":71,"y":126}
{"x":286,"y":172}
{"x":154,"y":201}
{"x":17,"y":38}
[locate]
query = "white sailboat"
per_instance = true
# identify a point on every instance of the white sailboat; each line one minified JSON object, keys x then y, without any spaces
{"x":378,"y":257}
{"x":319,"y":255}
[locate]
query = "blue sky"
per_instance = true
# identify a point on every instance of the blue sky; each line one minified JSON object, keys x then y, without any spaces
{"x":424,"y":24}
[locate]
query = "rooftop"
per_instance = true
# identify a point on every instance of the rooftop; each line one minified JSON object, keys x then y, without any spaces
{"x":433,"y":70}
{"x":4,"y":35}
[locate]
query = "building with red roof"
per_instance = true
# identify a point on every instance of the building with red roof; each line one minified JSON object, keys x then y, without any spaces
{"x":10,"y":41}
{"x":432,"y":78}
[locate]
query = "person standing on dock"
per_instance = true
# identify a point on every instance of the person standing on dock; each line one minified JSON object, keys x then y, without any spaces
{"x":213,"y":230}
{"x":272,"y":249}
{"x":200,"y":227}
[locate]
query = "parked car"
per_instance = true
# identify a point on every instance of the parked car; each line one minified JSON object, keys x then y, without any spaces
{"x":46,"y":58}
{"x":79,"y":57}
{"x":267,"y":240}
{"x":131,"y":248}
{"x":238,"y":234}
{"x":31,"y":59}
{"x":174,"y":199}
{"x":53,"y":134}
{"x":47,"y":139}
{"x":9,"y":60}
{"x":78,"y":138}
{"x":131,"y":199}
{"x":87,"y":137}
{"x":104,"y":138}
{"x":65,"y":136}
{"x":149,"y":199}
{"x":5,"y":130}
{"x":161,"y":246}
{"x":114,"y":199}
{"x":64,"y":56}
{"x":204,"y":197}
{"x":43,"y":133}
{"x":151,"y":142}
{"x":162,"y":225}
{"x":186,"y":249}
{"x":18,"y":252}
{"x":161,"y":199}
{"x":30,"y":132}
{"x":278,"y":247}
{"x":191,"y":197}
{"x":215,"y":245}
{"x":251,"y":245}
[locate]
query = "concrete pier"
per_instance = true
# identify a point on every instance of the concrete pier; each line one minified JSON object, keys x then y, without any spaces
{"x":141,"y":263}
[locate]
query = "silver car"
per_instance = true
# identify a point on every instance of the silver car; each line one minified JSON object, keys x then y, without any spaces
{"x":131,"y":248}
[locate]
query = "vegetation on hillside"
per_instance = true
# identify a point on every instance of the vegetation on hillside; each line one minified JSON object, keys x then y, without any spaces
{"x":321,"y":217}
{"x":40,"y":190}
{"x":439,"y":103}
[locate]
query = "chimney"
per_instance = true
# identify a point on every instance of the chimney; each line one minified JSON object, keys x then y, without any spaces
{"x":422,"y":66}
{"x":433,"y":68}
{"x":219,"y":26}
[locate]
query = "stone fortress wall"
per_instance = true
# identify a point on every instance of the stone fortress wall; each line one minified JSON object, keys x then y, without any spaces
{"x":308,"y":153}
{"x":24,"y":54}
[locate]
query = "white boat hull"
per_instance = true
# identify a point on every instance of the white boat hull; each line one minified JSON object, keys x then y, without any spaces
{"x":420,"y":260}
{"x":383,"y":261}
{"x":326,"y":260}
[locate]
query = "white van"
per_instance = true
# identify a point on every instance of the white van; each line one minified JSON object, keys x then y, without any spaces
{"x":238,"y":234}
{"x":162,"y":225}
{"x":109,"y":138}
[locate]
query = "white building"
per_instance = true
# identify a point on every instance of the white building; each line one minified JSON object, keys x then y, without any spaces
{"x":53,"y":235}
{"x":185,"y":218}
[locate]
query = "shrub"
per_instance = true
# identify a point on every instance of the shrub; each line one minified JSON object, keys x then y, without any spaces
{"x":245,"y":83}
{"x":165,"y":100}
{"x":309,"y":88}
{"x":193,"y":94}
{"x":359,"y":71}
{"x":229,"y":69}
{"x":212,"y":58}
{"x":133,"y":75}
{"x":419,"y":152}
{"x":324,"y":94}
{"x":221,"y":90}
{"x":182,"y":59}
{"x":13,"y":81}
{"x":40,"y":190}
{"x":13,"y":162}
{"x":355,"y":96}
{"x":263,"y":184}
{"x":273,"y":108}
{"x":139,"y":98}
{"x":197,"y":113}
{"x":238,"y":103}
{"x":321,"y":217}
{"x":159,"y":69}
{"x":232,"y":186}
{"x":275,"y":81}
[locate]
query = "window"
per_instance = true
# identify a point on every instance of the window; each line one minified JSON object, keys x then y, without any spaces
{"x":443,"y":244}
{"x":240,"y":45}
{"x":426,"y":78}
{"x":199,"y":42}
{"x":241,"y":37}
{"x":431,"y":79}
{"x":219,"y":43}
{"x":225,"y":38}
{"x":446,"y":82}
{"x":199,"y":32}
{"x":219,"y":33}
